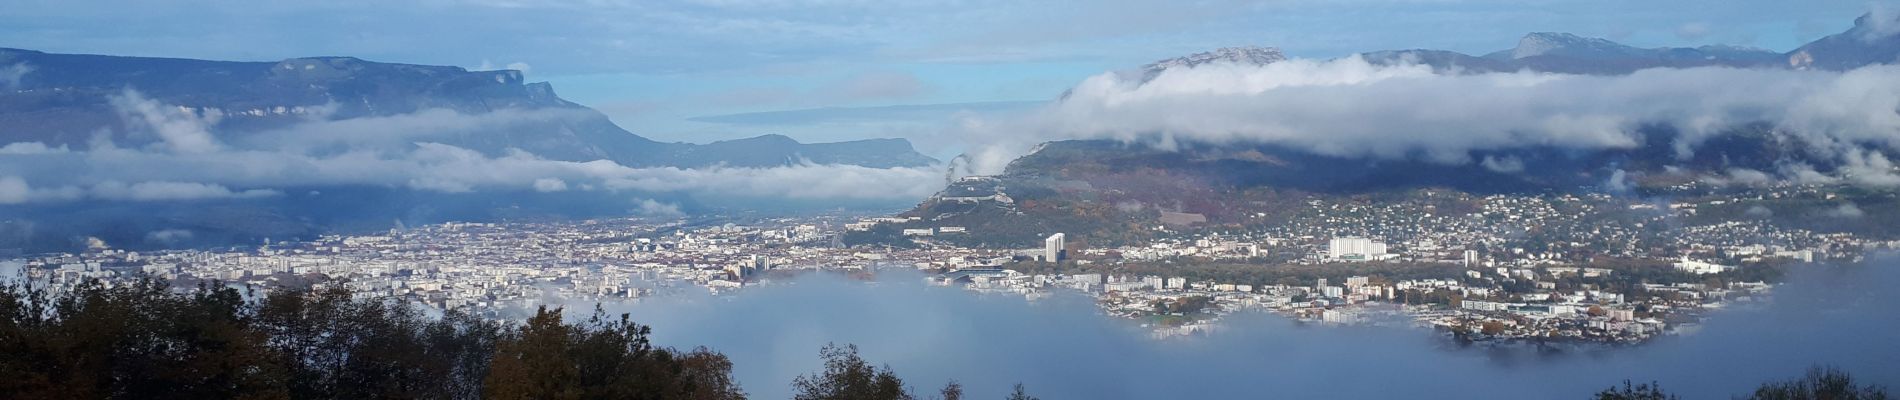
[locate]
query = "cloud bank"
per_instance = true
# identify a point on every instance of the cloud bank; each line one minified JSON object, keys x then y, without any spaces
{"x":185,"y":160}
{"x":1063,"y":348}
{"x":1349,"y":107}
{"x":11,"y":75}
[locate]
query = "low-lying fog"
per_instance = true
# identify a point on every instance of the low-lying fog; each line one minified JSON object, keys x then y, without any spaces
{"x":1064,"y":348}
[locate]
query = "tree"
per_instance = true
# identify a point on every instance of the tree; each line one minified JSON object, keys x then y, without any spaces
{"x":953,"y":391}
{"x":1019,"y":394}
{"x":707,"y":375}
{"x":1821,"y":383}
{"x":1492,"y":327}
{"x":142,"y":339}
{"x":534,"y":363}
{"x":604,"y":357}
{"x":848,"y":377}
{"x":1643,"y":391}
{"x":339,"y":347}
{"x":132,"y":339}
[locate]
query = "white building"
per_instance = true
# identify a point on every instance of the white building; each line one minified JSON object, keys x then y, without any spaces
{"x":1054,"y":249}
{"x":1357,"y":281}
{"x":1700,"y":267}
{"x":1352,"y":248}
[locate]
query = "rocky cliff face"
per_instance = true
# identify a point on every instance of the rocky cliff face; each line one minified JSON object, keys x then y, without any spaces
{"x":1248,"y":55}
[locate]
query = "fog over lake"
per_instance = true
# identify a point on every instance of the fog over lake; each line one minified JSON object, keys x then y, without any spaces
{"x":1064,"y":348}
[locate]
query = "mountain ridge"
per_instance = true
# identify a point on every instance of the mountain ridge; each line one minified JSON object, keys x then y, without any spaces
{"x":1103,"y":191}
{"x":1867,"y":43}
{"x":65,"y":100}
{"x":1244,"y":55}
{"x":337,"y":108}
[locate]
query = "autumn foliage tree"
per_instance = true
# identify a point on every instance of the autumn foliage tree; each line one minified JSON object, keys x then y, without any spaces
{"x":144,"y":339}
{"x":603,"y":358}
{"x":136,"y":339}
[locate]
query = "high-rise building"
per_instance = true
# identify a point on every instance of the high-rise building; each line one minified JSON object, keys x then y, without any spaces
{"x":1053,"y":248}
{"x":1353,"y":248}
{"x":761,"y":263}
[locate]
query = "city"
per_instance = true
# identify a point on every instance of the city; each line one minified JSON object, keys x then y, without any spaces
{"x":1468,"y":276}
{"x":949,"y":200}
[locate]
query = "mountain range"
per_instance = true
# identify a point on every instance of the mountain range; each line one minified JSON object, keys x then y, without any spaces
{"x":1108,"y":191}
{"x":329,"y":107}
{"x":66,"y":100}
{"x":1090,"y":188}
{"x":1864,"y":44}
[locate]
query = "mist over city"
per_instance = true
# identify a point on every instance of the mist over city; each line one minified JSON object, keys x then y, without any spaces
{"x":938,"y":199}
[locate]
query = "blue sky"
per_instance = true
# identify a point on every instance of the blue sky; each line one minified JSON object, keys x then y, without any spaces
{"x":654,"y":65}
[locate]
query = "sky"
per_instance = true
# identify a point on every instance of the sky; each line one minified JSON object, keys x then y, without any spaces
{"x":971,"y":82}
{"x":678,"y":70}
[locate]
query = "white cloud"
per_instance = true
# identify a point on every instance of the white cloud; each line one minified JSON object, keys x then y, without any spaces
{"x":1618,"y":182}
{"x":445,"y":168}
{"x":13,"y":190}
{"x":24,"y":148}
{"x":1846,"y":210}
{"x":1694,"y":30}
{"x":1742,"y":177}
{"x":169,"y":236}
{"x":397,"y":132}
{"x":1804,"y":174}
{"x":521,"y":66}
{"x":390,"y":151}
{"x":17,"y":190}
{"x":1883,"y":20}
{"x":179,"y":129}
{"x":517,"y":66}
{"x":651,"y":208}
{"x":1506,"y":164}
{"x":1350,"y":108}
{"x":165,"y":190}
{"x":11,"y":75}
{"x":1869,"y":168}
{"x":549,"y":185}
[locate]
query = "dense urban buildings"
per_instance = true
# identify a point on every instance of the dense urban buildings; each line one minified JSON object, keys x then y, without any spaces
{"x":1581,"y":282}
